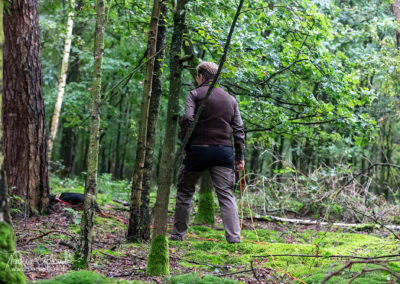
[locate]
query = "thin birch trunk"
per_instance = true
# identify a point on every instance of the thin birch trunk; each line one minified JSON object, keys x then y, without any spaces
{"x":62,"y":80}
{"x":133,"y":227}
{"x":83,"y":252}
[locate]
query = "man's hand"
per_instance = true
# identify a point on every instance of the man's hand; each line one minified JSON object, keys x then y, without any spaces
{"x":239,"y":165}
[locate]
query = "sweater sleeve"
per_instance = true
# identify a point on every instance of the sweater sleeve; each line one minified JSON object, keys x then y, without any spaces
{"x":188,"y":114}
{"x":238,"y":134}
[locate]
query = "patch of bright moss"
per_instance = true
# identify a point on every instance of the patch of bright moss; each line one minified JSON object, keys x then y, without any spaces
{"x":158,"y":261}
{"x":11,"y":271}
{"x":77,"y":277}
{"x":205,"y":213}
{"x":366,"y":278}
{"x":194,"y":278}
{"x":202,"y":254}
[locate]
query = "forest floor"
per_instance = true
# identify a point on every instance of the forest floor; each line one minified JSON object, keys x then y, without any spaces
{"x":46,"y":246}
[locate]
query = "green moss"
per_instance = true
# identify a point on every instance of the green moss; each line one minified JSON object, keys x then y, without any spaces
{"x":366,"y":278}
{"x":194,"y":278}
{"x":77,"y":277}
{"x":79,"y":261}
{"x":366,"y":227}
{"x":11,"y":271}
{"x":158,"y":262}
{"x":205,"y":213}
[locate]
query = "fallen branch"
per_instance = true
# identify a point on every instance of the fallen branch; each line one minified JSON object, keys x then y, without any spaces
{"x":45,"y":234}
{"x":63,"y":243}
{"x":254,"y":271}
{"x":387,"y":227}
{"x":311,"y":222}
{"x":349,"y":264}
{"x":330,"y":256}
{"x":233,"y":273}
{"x":374,"y":269}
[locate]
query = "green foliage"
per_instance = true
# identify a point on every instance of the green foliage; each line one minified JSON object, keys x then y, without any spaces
{"x":158,"y":261}
{"x":194,"y":278}
{"x":76,"y":217}
{"x":11,"y":270}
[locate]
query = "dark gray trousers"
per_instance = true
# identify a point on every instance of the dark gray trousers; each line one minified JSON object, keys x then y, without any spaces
{"x":223,"y":179}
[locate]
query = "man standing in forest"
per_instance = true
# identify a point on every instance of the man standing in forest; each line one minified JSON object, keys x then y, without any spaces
{"x":210,"y":148}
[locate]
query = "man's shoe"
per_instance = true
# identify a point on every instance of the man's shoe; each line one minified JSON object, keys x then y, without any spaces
{"x":178,"y":238}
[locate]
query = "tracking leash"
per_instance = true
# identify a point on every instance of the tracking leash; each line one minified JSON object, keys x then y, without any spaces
{"x":254,"y":228}
{"x":57,"y":197}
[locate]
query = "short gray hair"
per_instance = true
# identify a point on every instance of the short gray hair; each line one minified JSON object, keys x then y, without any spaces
{"x":207,"y":69}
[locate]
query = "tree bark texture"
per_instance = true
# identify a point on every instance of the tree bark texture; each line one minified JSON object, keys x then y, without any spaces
{"x":4,"y":212}
{"x":63,"y":78}
{"x":82,"y":255}
{"x":133,"y":227}
{"x":156,"y":94}
{"x":23,"y":108}
{"x":167,"y":159}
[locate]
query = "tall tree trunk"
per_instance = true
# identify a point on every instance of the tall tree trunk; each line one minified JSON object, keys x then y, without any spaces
{"x":137,"y":183}
{"x":4,"y":212}
{"x":23,"y":108}
{"x":67,"y":142}
{"x":206,"y":210}
{"x":84,"y":249}
{"x":7,"y":244}
{"x":127,"y":139}
{"x":144,"y":224}
{"x":158,"y":257}
{"x":255,"y":158}
{"x":118,"y":142}
{"x":205,"y":213}
{"x":63,"y":78}
{"x":69,"y":137}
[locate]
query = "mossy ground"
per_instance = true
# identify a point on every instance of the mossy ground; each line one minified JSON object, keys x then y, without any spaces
{"x":226,"y":258}
{"x":247,"y":262}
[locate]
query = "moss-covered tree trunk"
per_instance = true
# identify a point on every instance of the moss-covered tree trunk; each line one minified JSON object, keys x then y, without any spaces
{"x":82,"y":254}
{"x":62,"y":79}
{"x":205,"y":213}
{"x":137,"y":183}
{"x":25,"y":145}
{"x":8,"y":273}
{"x":158,"y":258}
{"x":155,"y":101}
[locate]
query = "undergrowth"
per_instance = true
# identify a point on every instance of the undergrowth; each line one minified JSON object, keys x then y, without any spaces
{"x":284,"y":248}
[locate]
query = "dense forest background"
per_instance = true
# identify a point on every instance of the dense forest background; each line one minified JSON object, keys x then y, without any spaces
{"x":316,"y":81}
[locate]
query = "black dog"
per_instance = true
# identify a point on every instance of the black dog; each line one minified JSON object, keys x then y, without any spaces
{"x":69,"y":197}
